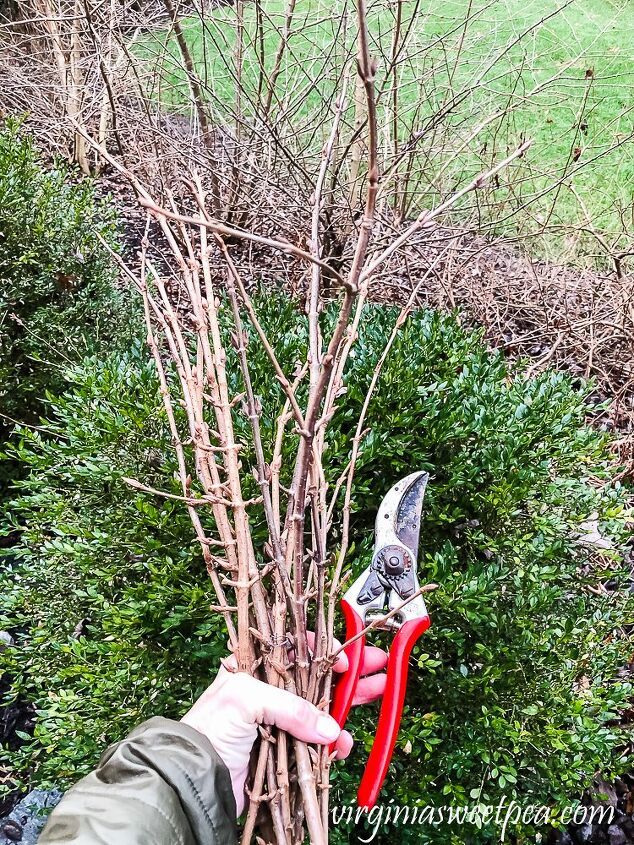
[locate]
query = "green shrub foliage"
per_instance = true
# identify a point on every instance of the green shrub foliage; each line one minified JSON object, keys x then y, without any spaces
{"x":57,"y":295}
{"x":513,"y":691}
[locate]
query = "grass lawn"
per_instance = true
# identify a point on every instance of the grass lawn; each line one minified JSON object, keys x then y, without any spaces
{"x":568,"y":84}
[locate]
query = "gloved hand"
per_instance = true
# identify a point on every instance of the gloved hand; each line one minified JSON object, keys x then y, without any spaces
{"x":229,"y":711}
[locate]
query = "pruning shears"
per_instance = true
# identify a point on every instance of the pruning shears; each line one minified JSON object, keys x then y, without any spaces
{"x":386,"y":595}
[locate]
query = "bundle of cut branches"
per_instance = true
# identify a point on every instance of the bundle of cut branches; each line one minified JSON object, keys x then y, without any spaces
{"x":269,"y":595}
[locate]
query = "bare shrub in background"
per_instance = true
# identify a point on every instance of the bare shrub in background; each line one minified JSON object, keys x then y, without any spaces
{"x":256,"y":84}
{"x":63,"y":63}
{"x":249,"y":90}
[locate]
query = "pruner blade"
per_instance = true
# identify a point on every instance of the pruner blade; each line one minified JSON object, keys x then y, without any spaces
{"x":391,"y":577}
{"x":409,"y":510}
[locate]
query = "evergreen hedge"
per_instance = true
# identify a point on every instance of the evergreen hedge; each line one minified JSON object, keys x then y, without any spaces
{"x":514,"y":691}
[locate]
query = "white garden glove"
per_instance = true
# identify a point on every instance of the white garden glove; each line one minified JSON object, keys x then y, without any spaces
{"x":229,"y":711}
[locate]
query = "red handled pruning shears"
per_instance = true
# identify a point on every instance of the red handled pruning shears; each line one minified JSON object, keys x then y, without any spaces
{"x":383,"y":586}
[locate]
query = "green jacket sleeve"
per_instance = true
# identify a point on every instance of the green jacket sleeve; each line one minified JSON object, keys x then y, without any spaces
{"x":162,"y":785}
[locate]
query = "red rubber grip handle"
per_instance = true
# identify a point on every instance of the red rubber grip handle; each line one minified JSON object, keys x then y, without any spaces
{"x":391,"y":709}
{"x":347,"y":683}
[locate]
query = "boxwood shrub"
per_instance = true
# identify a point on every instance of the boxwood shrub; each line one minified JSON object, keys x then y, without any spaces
{"x":58,"y":298}
{"x":514,"y":691}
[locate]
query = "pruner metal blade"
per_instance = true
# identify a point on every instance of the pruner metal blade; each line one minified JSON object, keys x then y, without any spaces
{"x":391,"y":578}
{"x":398,"y":518}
